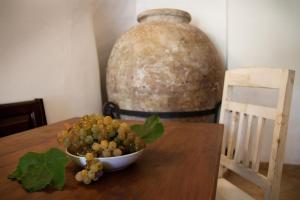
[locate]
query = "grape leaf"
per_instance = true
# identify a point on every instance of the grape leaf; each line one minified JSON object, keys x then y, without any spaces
{"x":150,"y":131}
{"x":37,"y":178}
{"x":56,"y":162}
{"x":30,"y":158}
{"x":138,"y":129}
{"x":35,"y":171}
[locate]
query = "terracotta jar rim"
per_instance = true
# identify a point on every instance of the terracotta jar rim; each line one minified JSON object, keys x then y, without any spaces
{"x":185,"y":16}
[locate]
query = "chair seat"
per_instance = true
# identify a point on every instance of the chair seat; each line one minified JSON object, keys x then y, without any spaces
{"x":228,"y":191}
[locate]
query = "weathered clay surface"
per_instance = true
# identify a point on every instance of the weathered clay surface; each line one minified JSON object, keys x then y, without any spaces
{"x":164,"y":65}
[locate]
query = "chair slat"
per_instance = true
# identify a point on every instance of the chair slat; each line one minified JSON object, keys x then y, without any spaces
{"x":258,"y":144}
{"x":247,"y":141}
{"x":252,"y":77}
{"x":224,"y":141}
{"x":231,"y":135}
{"x":238,"y":148}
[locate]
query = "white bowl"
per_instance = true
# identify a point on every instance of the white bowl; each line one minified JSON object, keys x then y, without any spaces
{"x":109,"y":163}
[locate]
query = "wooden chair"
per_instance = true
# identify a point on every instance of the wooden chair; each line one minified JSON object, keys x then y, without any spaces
{"x":235,"y":155}
{"x":21,"y":116}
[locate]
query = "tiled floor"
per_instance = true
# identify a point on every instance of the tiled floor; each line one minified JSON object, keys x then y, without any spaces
{"x":290,"y":183}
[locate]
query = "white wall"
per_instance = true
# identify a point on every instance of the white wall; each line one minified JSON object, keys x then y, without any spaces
{"x":251,"y":33}
{"x":111,"y":19}
{"x":47,"y":50}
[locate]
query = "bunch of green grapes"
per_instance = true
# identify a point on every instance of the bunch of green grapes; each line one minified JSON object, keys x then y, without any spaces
{"x":91,"y":172}
{"x":101,"y":136}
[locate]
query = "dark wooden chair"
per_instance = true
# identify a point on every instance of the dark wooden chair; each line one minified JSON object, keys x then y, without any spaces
{"x":21,"y":116}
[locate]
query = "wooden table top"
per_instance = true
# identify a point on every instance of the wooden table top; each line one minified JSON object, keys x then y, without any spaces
{"x":183,"y":164}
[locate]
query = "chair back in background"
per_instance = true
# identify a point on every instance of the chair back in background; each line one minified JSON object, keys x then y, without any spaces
{"x":238,"y":119}
{"x":21,"y":116}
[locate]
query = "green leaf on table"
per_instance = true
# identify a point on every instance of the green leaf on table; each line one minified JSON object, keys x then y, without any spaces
{"x":138,"y":129}
{"x":56,"y":162}
{"x":15,"y":174}
{"x":35,"y":171}
{"x":37,"y":178}
{"x":25,"y":163}
{"x":150,"y":131}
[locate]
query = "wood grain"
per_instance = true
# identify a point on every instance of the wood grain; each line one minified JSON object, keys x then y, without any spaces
{"x":183,"y":164}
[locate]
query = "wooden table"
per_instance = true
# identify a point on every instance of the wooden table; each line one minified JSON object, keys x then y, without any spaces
{"x":183,"y":164}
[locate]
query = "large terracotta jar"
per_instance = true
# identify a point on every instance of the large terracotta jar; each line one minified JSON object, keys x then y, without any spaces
{"x":164,"y":64}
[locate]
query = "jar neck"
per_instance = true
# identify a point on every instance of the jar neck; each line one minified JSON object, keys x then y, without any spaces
{"x":168,"y":15}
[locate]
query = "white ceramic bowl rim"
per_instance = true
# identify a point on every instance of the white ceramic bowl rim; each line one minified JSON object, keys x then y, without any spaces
{"x":107,"y":158}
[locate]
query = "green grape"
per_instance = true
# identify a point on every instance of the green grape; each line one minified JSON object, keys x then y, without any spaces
{"x":107,"y":120}
{"x":122,"y":148}
{"x":100,"y":122}
{"x":93,"y":119}
{"x":101,"y":136}
{"x":104,"y":135}
{"x":84,"y":173}
{"x":121,"y":130}
{"x":112,"y":145}
{"x":82,"y":133}
{"x":67,"y":142}
{"x":101,"y":127}
{"x":96,"y":167}
{"x":87,"y":180}
{"x":104,"y":144}
{"x":60,"y":138}
{"x":95,"y":136}
{"x":125,"y":126}
{"x":91,"y":174}
{"x":87,"y":125}
{"x":115,"y":124}
{"x":96,"y":146}
{"x":89,"y":139}
{"x":112,"y":134}
{"x":89,"y":132}
{"x":109,"y":128}
{"x":89,"y":156}
{"x":81,"y":142}
{"x":76,"y":127}
{"x":121,"y":135}
{"x":126,"y":143}
{"x":118,"y":141}
{"x":117,"y":152}
{"x":75,"y":137}
{"x":78,"y":177}
{"x":106,"y":153}
{"x":95,"y":129}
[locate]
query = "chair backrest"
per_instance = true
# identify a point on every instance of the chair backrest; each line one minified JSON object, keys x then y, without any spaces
{"x":235,"y":148}
{"x":21,"y":116}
